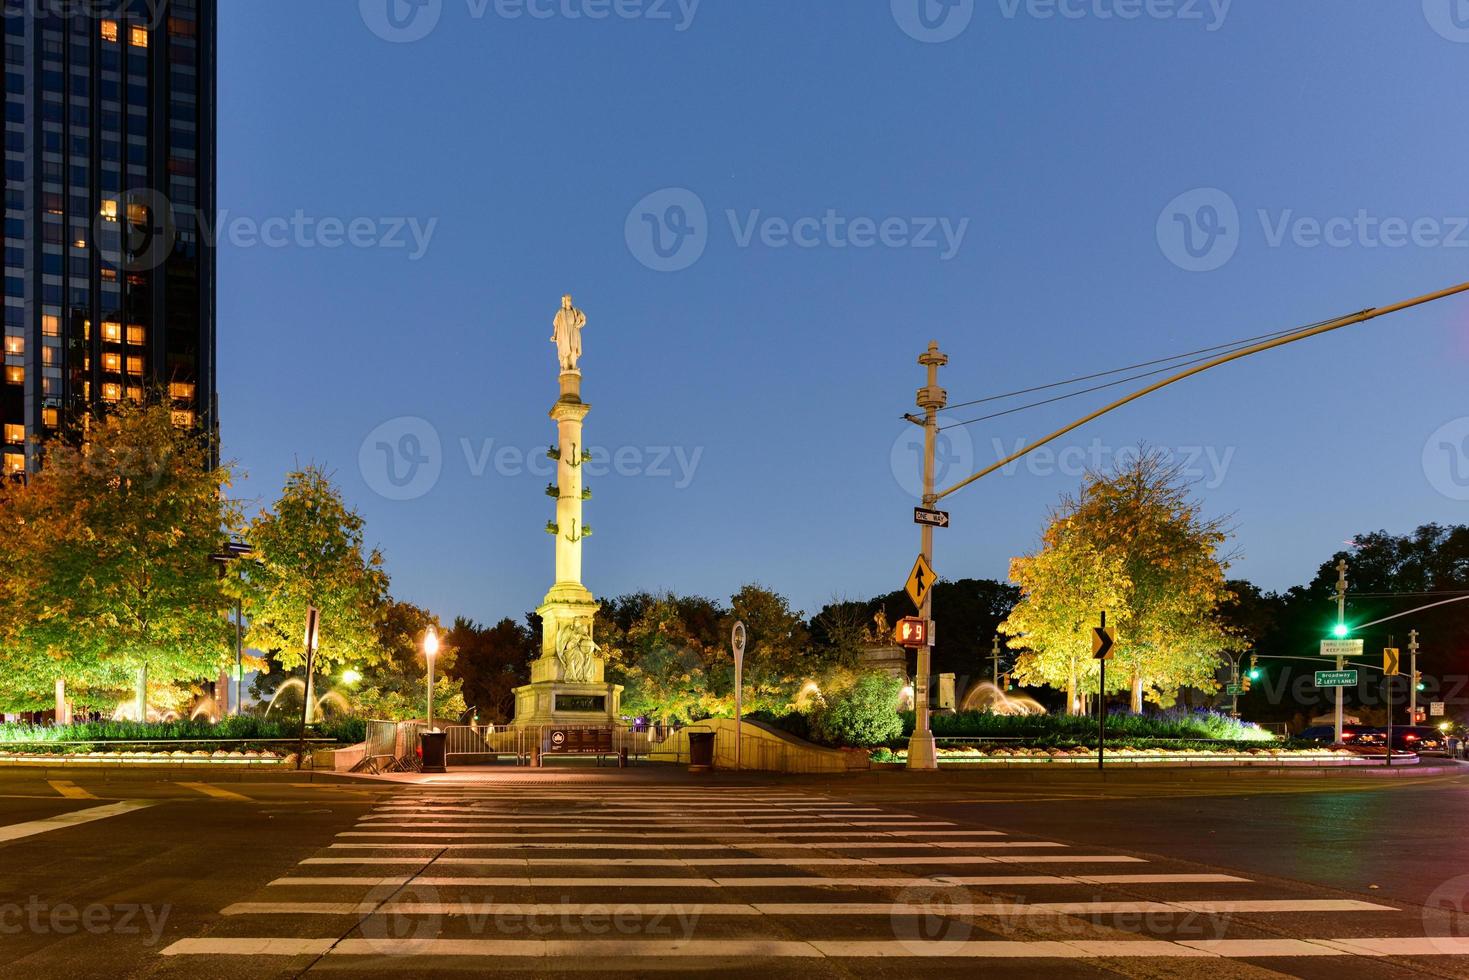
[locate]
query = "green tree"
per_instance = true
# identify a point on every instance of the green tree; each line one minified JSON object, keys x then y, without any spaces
{"x":115,"y":575}
{"x":862,"y":715}
{"x":490,"y":663}
{"x":395,"y":687}
{"x":1135,"y":544}
{"x":309,"y":552}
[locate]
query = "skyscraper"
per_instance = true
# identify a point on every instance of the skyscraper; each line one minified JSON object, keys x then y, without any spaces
{"x":109,"y":167}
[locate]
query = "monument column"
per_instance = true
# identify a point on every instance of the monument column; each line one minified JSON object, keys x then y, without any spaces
{"x":568,"y":683}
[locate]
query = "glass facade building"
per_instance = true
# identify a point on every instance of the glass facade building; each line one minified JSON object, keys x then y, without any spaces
{"x":109,"y":194}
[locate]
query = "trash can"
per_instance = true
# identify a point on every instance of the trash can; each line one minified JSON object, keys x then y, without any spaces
{"x":434,"y":747}
{"x":701,"y":751}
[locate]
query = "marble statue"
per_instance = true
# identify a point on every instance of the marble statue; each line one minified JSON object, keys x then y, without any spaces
{"x":567,"y":333}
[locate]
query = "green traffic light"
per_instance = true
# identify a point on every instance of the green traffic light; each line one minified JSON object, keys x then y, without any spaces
{"x":1255,"y":673}
{"x":1422,"y":686}
{"x":1340,"y":630}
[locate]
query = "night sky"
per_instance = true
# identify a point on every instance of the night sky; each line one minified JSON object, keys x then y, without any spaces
{"x":767,"y":209}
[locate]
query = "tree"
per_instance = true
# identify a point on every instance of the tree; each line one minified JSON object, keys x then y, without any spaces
{"x":862,"y":715}
{"x":490,"y":663}
{"x":116,"y":580}
{"x":779,"y":657}
{"x":663,"y":658}
{"x":395,"y":687}
{"x":1132,"y":543}
{"x":309,"y":552}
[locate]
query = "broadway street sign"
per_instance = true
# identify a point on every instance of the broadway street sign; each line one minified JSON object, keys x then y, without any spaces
{"x":1336,"y":678}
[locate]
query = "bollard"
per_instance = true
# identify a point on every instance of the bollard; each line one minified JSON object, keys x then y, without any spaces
{"x":535,"y":757}
{"x":622,"y":758}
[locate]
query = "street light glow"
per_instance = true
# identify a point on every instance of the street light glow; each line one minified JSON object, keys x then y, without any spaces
{"x":431,"y":642}
{"x":350,"y":676}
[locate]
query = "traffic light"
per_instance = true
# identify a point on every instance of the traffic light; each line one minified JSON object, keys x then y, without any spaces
{"x":1418,"y":680}
{"x":1245,"y":683}
{"x":1254,"y":673}
{"x":1340,"y":631}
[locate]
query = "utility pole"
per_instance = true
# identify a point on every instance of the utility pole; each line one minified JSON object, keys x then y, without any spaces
{"x":931,"y":398}
{"x":1413,"y":678}
{"x":1341,"y":625}
{"x":995,"y":656}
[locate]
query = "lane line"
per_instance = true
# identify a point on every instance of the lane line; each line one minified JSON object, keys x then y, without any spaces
{"x":811,"y":881}
{"x":216,"y":792}
{"x":69,"y":789}
{"x":534,"y":862}
{"x":623,"y":949}
{"x":707,"y":834}
{"x":996,"y":909}
{"x":944,"y":846}
{"x":61,"y":822}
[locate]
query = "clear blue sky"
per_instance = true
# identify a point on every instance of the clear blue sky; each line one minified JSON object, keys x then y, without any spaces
{"x":782,"y":371}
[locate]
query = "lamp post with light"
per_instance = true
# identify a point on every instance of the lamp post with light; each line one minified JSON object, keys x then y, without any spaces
{"x":430,"y":650}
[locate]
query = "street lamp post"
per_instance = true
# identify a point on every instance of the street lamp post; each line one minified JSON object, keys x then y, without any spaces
{"x":234,"y":551}
{"x":430,"y":650}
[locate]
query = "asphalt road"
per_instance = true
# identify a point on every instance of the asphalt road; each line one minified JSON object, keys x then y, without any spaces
{"x":654,"y":872}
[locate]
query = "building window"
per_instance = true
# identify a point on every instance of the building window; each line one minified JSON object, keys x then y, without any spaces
{"x":14,"y":463}
{"x":135,"y":395}
{"x":138,"y":36}
{"x":182,"y":390}
{"x":50,"y":417}
{"x":15,"y":434}
{"x":112,"y":362}
{"x":135,"y":365}
{"x":111,"y":392}
{"x":15,"y":345}
{"x":112,"y":332}
{"x":48,"y":356}
{"x":109,"y":30}
{"x":51,"y":324}
{"x":15,"y":374}
{"x":109,"y":210}
{"x":183,"y":419}
{"x":137,"y":334}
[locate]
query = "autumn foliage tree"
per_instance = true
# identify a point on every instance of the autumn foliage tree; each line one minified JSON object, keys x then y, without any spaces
{"x":106,"y":550}
{"x":1134,"y":544}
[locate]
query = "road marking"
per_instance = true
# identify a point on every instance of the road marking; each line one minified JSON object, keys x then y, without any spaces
{"x":216,"y":792}
{"x":604,"y":823}
{"x":805,"y":881}
{"x":944,"y":846}
{"x":708,"y":834}
{"x":535,"y":862}
{"x":69,"y":789}
{"x":61,"y":822}
{"x":997,"y":909}
{"x":583,"y":950}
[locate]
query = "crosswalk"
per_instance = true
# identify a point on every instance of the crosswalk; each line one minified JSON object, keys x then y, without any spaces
{"x":641,"y":878}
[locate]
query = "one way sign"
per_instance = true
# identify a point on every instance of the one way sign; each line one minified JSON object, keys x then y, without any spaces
{"x":932,"y":518}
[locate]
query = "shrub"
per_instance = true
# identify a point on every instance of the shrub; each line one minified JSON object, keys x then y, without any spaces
{"x":861,"y":716}
{"x":1069,"y":729}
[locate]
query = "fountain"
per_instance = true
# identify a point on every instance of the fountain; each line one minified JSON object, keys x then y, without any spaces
{"x":333,"y":698}
{"x":985,"y":696}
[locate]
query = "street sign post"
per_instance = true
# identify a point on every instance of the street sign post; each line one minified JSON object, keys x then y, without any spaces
{"x":1336,"y":678}
{"x":920,"y":582}
{"x":737,"y":646}
{"x":912,"y":632}
{"x":1234,"y":690}
{"x":931,"y":518}
{"x":1102,"y":651}
{"x":1436,"y":708}
{"x":1342,"y":648}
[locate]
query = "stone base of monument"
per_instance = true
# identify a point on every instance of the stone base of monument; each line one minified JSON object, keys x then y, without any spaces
{"x":566,"y":703}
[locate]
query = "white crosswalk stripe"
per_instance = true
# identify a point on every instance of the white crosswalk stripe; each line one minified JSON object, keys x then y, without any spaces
{"x":639,"y":877}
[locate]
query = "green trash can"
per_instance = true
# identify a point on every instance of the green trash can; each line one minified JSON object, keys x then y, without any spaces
{"x":701,"y":751}
{"x":434,"y":747}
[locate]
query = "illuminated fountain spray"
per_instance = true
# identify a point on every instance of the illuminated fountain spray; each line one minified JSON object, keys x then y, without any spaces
{"x":984,"y":696}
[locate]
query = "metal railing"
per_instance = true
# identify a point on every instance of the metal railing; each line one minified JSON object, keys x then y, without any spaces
{"x":393,"y":746}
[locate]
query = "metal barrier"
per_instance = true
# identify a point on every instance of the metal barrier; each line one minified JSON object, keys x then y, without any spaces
{"x":393,"y":746}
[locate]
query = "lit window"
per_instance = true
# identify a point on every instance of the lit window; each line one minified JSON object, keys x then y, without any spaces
{"x":51,"y":324}
{"x":135,"y":365}
{"x":111,"y":332}
{"x":135,"y":394}
{"x":183,"y":419}
{"x":138,"y":36}
{"x":49,"y":356}
{"x":110,"y":275}
{"x":50,"y":417}
{"x":111,"y":393}
{"x":15,"y":345}
{"x":112,"y":362}
{"x":137,"y":334}
{"x":15,"y":433}
{"x":182,"y":390}
{"x":15,"y":374}
{"x":86,"y":329}
{"x":109,"y":210}
{"x":14,"y":463}
{"x":109,"y":30}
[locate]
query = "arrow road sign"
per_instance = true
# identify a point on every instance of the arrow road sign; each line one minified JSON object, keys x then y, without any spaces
{"x":1336,"y":678}
{"x":920,"y":582}
{"x":1102,"y":643}
{"x":933,"y":518}
{"x":1390,"y":662}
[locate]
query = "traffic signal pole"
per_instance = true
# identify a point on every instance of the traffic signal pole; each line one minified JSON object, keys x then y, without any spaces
{"x":1341,"y":625}
{"x":922,"y":753}
{"x":1413,"y":678}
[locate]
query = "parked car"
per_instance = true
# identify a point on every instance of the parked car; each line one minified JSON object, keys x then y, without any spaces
{"x":1423,"y":739}
{"x":1351,"y":735}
